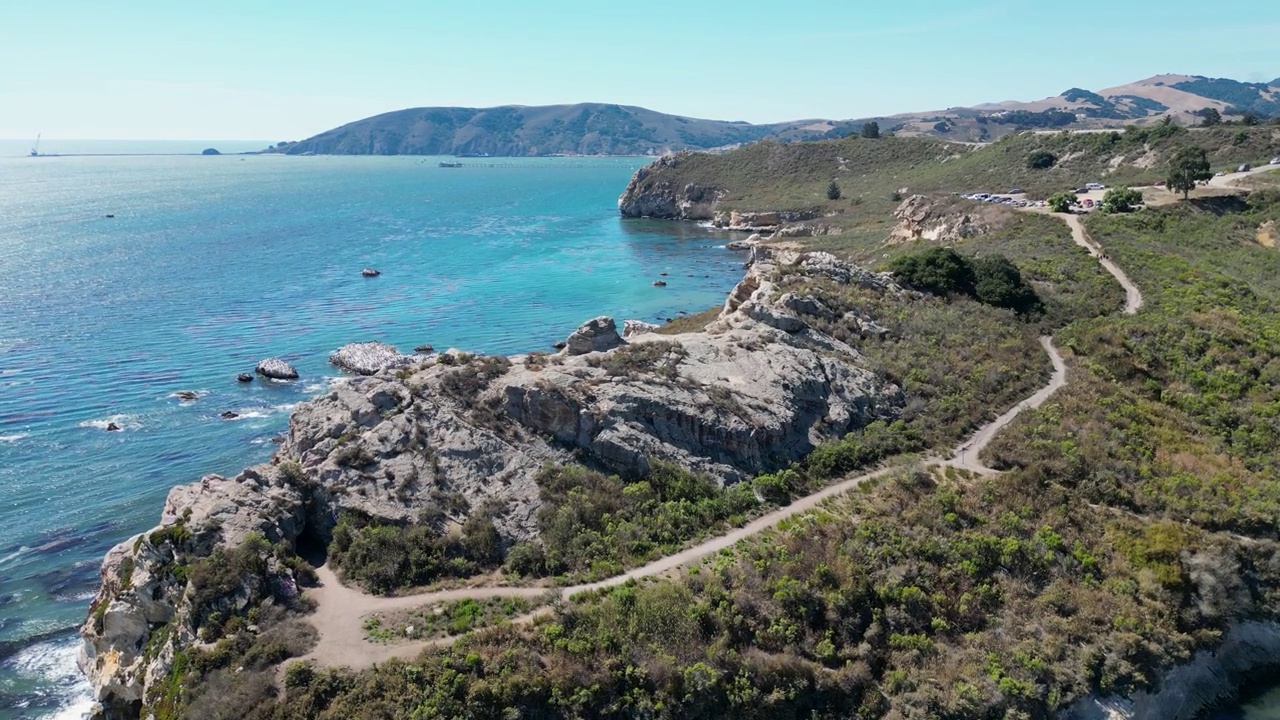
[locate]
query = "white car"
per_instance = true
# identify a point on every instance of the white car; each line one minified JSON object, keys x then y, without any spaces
{"x":1274,"y":161}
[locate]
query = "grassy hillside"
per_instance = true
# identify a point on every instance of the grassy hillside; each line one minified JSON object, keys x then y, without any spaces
{"x":873,"y":175}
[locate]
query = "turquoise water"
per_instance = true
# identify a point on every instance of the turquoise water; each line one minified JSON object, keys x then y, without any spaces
{"x":211,"y":264}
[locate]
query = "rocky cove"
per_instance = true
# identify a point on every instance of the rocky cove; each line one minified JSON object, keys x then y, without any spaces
{"x":754,"y":390}
{"x":757,"y":387}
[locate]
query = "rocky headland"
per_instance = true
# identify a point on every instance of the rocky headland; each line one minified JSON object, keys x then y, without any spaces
{"x":755,"y":390}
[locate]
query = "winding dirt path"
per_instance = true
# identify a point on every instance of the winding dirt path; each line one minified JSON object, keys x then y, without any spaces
{"x":340,"y":610}
{"x":1132,"y":295}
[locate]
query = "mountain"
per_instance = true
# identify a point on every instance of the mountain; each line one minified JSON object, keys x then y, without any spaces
{"x":582,"y":129}
{"x":603,"y":129}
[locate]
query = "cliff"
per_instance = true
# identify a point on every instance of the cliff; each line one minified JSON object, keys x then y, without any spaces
{"x":755,"y":390}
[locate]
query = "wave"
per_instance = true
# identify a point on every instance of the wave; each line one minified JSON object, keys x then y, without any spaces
{"x":14,"y":437}
{"x":259,"y":412}
{"x":124,"y":422}
{"x":63,"y":691}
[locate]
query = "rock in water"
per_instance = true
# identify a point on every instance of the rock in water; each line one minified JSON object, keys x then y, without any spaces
{"x":187,"y":395}
{"x":370,"y":272}
{"x":424,"y":349}
{"x":276,"y":369}
{"x":230,"y":415}
{"x":112,"y":427}
{"x":659,"y":283}
{"x":595,"y":335}
{"x":244,"y":377}
{"x":368,"y":358}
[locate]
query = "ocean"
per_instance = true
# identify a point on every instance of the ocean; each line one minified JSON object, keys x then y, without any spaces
{"x":213,"y":263}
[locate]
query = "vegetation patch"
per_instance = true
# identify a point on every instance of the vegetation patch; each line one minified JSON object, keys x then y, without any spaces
{"x":445,"y":619}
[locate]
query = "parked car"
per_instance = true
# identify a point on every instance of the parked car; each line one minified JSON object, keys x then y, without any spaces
{"x":1246,"y":167}
{"x":1081,"y":191}
{"x":1220,"y":173}
{"x":1095,"y":186}
{"x":1016,"y":191}
{"x":1088,"y":203}
{"x":1274,"y":161}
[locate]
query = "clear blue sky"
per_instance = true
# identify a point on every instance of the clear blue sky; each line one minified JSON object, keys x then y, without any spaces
{"x":283,"y":70}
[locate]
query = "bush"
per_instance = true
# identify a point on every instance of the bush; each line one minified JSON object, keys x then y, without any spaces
{"x":1121,"y":199}
{"x":1061,"y":202}
{"x":1041,"y":160}
{"x":938,"y":270}
{"x":998,"y":282}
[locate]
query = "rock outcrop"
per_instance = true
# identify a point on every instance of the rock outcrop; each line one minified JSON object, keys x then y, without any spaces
{"x":648,"y":197}
{"x":923,"y":218}
{"x":595,"y":335}
{"x":369,"y":358}
{"x":757,"y":389}
{"x":276,"y":369}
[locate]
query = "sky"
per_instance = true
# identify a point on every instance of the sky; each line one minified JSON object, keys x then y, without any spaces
{"x":285,"y":70}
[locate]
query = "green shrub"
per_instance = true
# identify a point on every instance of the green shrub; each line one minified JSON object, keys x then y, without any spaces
{"x":938,"y":270}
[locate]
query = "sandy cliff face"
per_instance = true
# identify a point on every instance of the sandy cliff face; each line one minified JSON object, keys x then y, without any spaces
{"x":757,"y":389}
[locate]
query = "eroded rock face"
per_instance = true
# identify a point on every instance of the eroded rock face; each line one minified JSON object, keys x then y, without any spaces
{"x":924,"y":218}
{"x":368,"y":358}
{"x":141,"y":595}
{"x":756,"y":390}
{"x":595,"y":335}
{"x":276,"y":369}
{"x":647,"y":196}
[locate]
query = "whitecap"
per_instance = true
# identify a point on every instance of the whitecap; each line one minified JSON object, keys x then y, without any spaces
{"x":14,"y":437}
{"x":54,"y":663}
{"x":13,"y":555}
{"x":124,"y":422}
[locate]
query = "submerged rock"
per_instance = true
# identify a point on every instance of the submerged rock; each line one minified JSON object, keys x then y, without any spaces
{"x":276,"y":369}
{"x":244,"y":377}
{"x":369,"y":358}
{"x":370,"y":272}
{"x":187,"y":395}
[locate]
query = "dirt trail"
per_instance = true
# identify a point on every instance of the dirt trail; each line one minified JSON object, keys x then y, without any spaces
{"x":340,"y":610}
{"x":1132,"y":295}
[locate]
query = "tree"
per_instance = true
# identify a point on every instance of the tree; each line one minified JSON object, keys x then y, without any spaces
{"x":1041,"y":160}
{"x":1189,"y":166}
{"x":1248,"y":119}
{"x":1209,"y":117}
{"x":871,"y":130}
{"x":1061,"y":202}
{"x":1121,"y":199}
{"x":833,"y":191}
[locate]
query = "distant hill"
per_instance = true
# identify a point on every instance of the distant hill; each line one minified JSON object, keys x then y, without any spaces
{"x":602,"y":129}
{"x":582,"y":129}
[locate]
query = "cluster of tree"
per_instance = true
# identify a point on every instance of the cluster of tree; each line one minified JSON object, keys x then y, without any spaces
{"x":1044,"y":119}
{"x":989,"y":279}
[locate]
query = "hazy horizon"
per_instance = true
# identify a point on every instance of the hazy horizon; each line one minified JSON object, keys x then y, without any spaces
{"x":240,"y":71}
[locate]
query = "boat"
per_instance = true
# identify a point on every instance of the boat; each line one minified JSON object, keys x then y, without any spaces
{"x":450,"y":164}
{"x":35,"y":151}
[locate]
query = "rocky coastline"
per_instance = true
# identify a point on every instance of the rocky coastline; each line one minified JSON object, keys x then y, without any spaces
{"x":755,"y":390}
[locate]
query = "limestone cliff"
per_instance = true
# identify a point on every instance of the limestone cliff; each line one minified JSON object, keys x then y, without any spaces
{"x":754,"y":391}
